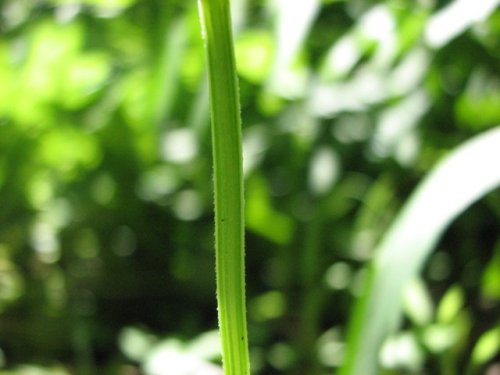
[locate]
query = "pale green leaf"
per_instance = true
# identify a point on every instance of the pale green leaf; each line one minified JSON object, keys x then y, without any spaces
{"x":467,"y":174}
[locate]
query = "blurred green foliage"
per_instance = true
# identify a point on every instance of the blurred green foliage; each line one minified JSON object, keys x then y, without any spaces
{"x":106,"y":235}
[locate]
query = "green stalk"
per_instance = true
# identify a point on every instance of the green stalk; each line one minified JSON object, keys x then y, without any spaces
{"x":228,"y":184}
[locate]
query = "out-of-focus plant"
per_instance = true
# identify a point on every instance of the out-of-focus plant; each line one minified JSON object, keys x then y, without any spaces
{"x":465,"y":176}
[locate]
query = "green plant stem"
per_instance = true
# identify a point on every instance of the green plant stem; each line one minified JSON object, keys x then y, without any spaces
{"x":228,"y":184}
{"x":312,"y":293}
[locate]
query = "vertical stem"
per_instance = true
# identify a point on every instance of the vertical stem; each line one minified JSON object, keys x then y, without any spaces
{"x":228,"y":184}
{"x":312,"y":293}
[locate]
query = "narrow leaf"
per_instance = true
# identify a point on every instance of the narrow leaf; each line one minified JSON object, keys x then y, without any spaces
{"x":467,"y":174}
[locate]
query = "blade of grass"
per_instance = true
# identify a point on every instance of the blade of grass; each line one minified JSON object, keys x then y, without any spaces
{"x":167,"y":67}
{"x":467,"y":174}
{"x":294,"y":19}
{"x":228,"y":184}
